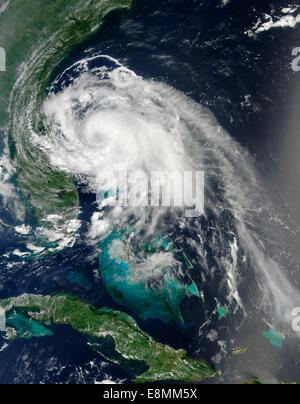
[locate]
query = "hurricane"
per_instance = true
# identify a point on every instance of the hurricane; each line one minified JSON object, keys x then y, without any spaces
{"x":99,"y":119}
{"x":223,"y":270}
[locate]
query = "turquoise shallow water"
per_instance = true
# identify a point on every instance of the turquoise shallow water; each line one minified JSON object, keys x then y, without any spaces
{"x":276,"y":338}
{"x":170,"y":43}
{"x":25,"y":327}
{"x":161,"y":300}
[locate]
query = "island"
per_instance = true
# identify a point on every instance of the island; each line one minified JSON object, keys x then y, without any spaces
{"x":115,"y":335}
{"x":160,"y":299}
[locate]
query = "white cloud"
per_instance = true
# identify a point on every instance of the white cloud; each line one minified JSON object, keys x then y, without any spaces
{"x":284,"y":21}
{"x":4,"y":7}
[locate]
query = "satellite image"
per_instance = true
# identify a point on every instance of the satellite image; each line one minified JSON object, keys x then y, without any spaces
{"x":149,"y":192}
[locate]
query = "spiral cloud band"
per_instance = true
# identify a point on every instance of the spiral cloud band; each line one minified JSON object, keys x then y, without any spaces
{"x":105,"y":118}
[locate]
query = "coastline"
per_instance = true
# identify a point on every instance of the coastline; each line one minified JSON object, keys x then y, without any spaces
{"x":43,"y":34}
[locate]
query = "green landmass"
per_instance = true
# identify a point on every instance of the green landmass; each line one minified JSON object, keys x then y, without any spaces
{"x":36,"y":34}
{"x":239,"y":350}
{"x":254,"y":380}
{"x":113,"y":334}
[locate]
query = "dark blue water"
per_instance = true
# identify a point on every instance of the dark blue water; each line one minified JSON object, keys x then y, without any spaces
{"x":202,"y":50}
